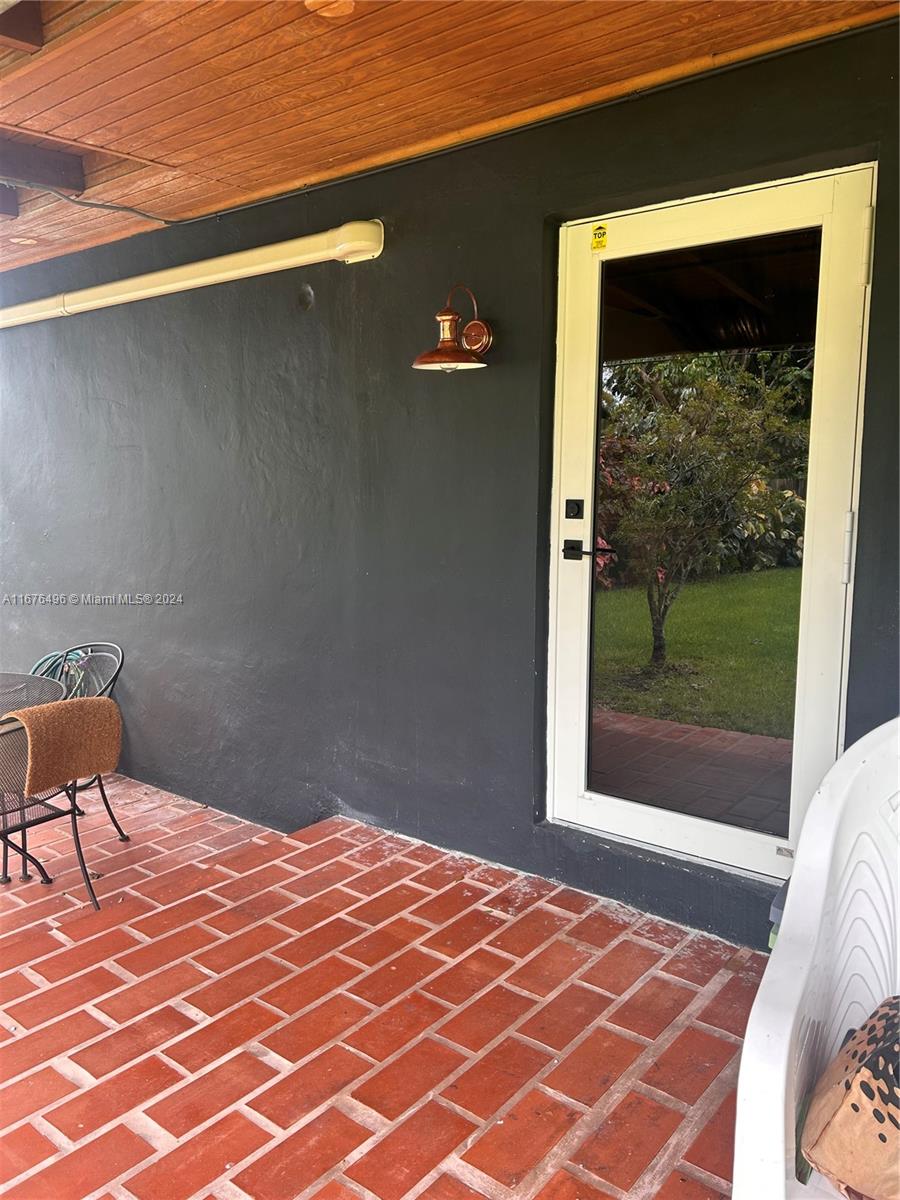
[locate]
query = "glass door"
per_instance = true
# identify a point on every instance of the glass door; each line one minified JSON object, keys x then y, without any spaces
{"x":707,"y":362}
{"x":701,"y":530}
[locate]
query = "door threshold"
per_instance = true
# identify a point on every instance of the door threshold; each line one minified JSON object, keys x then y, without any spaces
{"x":665,"y":852}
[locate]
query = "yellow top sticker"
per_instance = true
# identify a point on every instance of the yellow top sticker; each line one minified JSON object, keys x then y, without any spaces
{"x":598,"y":237}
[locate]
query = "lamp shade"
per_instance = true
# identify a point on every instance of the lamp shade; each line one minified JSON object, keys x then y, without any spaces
{"x":456,"y":351}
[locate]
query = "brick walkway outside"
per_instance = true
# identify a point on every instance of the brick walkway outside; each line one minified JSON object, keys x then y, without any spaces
{"x":740,"y":778}
{"x":350,"y":1015}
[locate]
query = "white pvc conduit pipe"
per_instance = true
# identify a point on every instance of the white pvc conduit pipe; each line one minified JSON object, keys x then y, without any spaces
{"x":356,"y":241}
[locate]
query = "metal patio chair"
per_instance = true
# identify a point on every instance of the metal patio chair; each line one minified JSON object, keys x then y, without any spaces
{"x":36,"y":769}
{"x":95,"y":672}
{"x":90,"y":669}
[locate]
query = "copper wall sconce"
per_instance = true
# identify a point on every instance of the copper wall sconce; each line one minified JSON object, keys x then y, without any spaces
{"x":457,"y":349}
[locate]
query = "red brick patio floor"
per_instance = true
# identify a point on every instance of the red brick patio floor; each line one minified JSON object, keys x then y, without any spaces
{"x":347,"y":1014}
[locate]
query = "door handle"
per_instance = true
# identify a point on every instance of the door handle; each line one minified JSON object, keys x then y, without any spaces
{"x":573,"y":549}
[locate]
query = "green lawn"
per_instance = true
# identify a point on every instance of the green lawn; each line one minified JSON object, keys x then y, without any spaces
{"x":732,"y":653}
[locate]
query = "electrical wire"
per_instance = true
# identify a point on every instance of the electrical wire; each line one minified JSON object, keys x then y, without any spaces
{"x":122,"y":208}
{"x":148,"y":216}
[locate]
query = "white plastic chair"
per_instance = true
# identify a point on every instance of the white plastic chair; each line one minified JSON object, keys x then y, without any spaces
{"x":835,"y":960}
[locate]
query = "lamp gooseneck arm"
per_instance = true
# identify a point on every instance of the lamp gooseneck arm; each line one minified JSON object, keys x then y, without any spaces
{"x":461,"y":287}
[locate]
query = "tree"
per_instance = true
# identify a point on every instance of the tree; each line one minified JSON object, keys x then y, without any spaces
{"x":684,"y":440}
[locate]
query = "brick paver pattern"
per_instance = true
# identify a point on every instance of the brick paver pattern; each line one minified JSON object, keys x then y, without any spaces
{"x":741,"y":779}
{"x":346,"y":1014}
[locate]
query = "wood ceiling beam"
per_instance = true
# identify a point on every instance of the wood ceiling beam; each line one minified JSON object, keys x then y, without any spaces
{"x":34,"y":165}
{"x":9,"y":204}
{"x":21,"y":27}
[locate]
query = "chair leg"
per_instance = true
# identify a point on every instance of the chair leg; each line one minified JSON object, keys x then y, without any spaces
{"x":4,"y":878}
{"x":24,"y":876}
{"x":27,"y":857}
{"x":123,"y":836}
{"x":82,"y":787}
{"x":85,"y":874}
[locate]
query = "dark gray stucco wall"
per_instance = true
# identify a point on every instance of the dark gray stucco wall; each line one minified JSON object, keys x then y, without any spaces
{"x":362,"y":549}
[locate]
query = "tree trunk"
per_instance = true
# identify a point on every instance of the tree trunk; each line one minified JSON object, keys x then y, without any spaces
{"x":658,"y":611}
{"x":658,"y":657}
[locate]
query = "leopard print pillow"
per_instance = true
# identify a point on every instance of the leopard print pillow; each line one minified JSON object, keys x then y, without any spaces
{"x":852,"y":1129}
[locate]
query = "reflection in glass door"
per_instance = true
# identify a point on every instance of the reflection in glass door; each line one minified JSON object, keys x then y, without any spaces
{"x":707,"y":359}
{"x":707,"y":425}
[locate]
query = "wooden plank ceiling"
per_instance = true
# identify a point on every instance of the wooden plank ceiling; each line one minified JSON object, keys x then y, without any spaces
{"x":185,"y":107}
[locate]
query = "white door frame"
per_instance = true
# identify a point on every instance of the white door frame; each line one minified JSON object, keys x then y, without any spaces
{"x":840,"y":203}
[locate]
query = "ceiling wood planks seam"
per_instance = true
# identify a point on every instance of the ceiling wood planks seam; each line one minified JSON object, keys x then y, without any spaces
{"x":186,"y":107}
